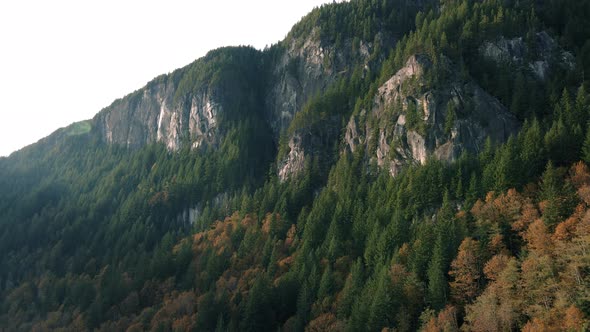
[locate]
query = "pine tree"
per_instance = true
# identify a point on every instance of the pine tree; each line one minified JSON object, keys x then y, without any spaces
{"x":586,"y":146}
{"x":352,"y":288}
{"x":473,"y":192}
{"x":450,"y":117}
{"x":532,"y":151}
{"x":507,"y":167}
{"x":326,"y":283}
{"x":550,"y":192}
{"x":381,"y":304}
{"x":581,"y":106}
{"x":437,"y":282}
{"x":258,"y":314}
{"x":220,"y":326}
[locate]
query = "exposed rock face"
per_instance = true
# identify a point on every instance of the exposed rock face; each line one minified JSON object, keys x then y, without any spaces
{"x":414,"y":119}
{"x":151,"y":115}
{"x":156,"y":113}
{"x":276,"y":85}
{"x":352,"y":136}
{"x":298,"y":75}
{"x":546,"y":51}
{"x":190,"y":215}
{"x":305,"y":68}
{"x":308,"y":146}
{"x":448,"y":120}
{"x":295,"y":160}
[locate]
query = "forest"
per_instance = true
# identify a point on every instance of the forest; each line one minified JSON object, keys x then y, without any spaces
{"x":95,"y":236}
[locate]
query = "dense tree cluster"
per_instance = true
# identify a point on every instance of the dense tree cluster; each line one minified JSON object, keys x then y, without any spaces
{"x":96,"y":236}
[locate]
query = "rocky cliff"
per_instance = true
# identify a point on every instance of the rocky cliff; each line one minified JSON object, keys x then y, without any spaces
{"x":165,"y":112}
{"x":275,"y":85}
{"x":194,"y":105}
{"x":306,"y":67}
{"x":152,"y":115}
{"x":412,"y":119}
{"x":537,"y":53}
{"x":168,"y":112}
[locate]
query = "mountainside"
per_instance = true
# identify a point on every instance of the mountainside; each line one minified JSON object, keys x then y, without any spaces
{"x":390,"y":165}
{"x":188,"y":106}
{"x":414,"y":120}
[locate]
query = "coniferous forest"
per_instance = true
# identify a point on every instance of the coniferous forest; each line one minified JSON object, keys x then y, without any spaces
{"x":431,"y":172}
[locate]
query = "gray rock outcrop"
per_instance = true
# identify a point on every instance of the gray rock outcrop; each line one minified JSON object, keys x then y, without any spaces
{"x":454,"y":117}
{"x":151,"y":115}
{"x":538,"y":56}
{"x":304,"y":69}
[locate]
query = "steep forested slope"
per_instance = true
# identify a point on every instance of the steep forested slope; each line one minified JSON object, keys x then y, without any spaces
{"x":389,"y":165}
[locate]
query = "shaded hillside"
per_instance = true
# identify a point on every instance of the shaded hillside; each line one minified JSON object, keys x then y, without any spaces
{"x":397,"y":165}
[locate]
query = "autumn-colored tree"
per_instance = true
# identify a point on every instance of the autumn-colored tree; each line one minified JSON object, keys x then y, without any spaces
{"x":325,"y":322}
{"x":572,"y":260}
{"x":565,"y":230}
{"x":579,"y":175}
{"x":496,"y":245}
{"x":497,"y":215}
{"x":538,"y":238}
{"x":446,"y":321}
{"x":539,"y":280}
{"x":495,"y":266}
{"x":536,"y":325}
{"x":498,"y":307}
{"x":528,"y":215}
{"x":466,"y":272}
{"x":574,"y":320}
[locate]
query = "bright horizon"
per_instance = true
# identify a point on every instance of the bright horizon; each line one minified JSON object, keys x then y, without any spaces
{"x":63,"y":61}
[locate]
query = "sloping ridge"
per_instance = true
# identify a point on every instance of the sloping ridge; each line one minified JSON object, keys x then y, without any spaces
{"x":418,"y":119}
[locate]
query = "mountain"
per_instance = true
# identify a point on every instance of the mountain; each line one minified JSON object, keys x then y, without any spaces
{"x":390,"y":165}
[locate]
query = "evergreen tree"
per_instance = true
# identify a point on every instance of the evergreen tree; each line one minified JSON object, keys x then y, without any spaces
{"x":381,"y":304}
{"x":97,"y":236}
{"x":586,"y":146}
{"x":532,"y":151}
{"x":550,"y":194}
{"x":326,"y":283}
{"x":437,"y":283}
{"x":351,"y":290}
{"x":258,"y":314}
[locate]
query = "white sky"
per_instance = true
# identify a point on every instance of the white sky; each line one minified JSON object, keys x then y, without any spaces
{"x":62,"y":61}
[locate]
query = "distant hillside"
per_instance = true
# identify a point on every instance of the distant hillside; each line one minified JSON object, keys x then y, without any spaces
{"x":390,"y":165}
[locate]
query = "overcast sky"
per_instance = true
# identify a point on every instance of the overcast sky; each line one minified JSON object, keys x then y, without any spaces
{"x":62,"y":61}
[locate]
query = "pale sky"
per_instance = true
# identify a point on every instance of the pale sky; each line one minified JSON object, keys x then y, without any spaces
{"x":62,"y":61}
